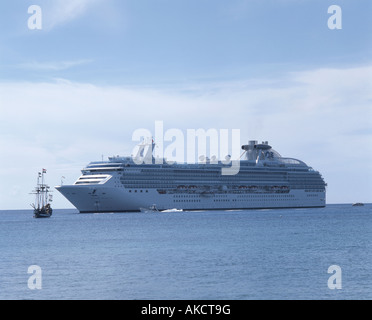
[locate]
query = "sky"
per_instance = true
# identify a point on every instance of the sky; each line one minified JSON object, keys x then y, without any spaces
{"x":75,"y":89}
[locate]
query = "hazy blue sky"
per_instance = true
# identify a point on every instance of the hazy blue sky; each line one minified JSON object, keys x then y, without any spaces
{"x":100,"y":69}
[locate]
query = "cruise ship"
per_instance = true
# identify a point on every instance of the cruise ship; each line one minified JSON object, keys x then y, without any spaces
{"x":264,"y":179}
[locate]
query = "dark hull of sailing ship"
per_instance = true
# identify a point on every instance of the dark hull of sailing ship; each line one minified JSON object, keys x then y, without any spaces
{"x":44,"y":212}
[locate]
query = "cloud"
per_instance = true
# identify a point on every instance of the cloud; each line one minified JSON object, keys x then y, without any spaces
{"x":59,"y":12}
{"x":332,"y":100}
{"x":53,"y":65}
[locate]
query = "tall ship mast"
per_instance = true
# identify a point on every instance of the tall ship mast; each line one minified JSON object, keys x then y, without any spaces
{"x":42,"y":207}
{"x":265,"y":180}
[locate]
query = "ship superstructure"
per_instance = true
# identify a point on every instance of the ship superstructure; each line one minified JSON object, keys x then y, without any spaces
{"x":265,"y":180}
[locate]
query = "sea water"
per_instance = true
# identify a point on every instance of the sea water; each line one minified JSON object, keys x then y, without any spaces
{"x":318,"y":253}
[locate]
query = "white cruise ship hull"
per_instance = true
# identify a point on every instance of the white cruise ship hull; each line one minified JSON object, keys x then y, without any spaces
{"x":111,"y":199}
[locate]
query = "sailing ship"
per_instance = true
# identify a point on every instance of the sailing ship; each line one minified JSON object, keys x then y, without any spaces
{"x":42,"y":207}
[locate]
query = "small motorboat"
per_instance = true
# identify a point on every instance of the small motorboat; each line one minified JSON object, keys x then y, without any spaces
{"x":358,"y":204}
{"x":150,"y":209}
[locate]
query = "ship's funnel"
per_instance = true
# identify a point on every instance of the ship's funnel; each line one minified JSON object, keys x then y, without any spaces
{"x":256,"y":151}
